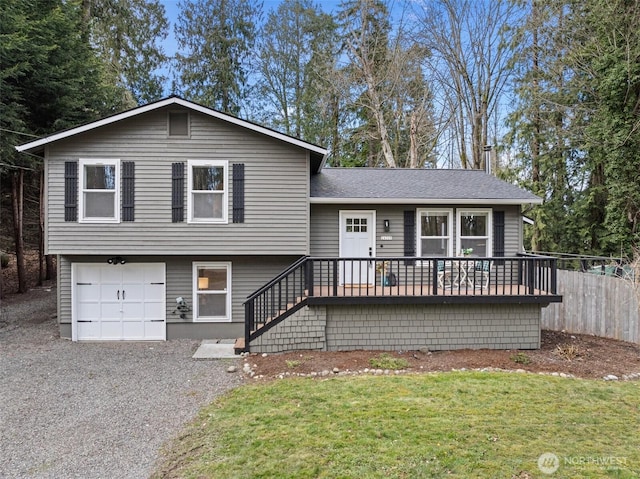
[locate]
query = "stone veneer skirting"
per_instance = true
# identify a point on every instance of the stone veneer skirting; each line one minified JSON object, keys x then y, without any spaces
{"x":405,"y":327}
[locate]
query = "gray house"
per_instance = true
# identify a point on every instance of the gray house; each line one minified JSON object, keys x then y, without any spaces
{"x":173,"y":220}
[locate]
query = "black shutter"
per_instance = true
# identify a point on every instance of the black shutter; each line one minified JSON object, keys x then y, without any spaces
{"x":177,"y":192}
{"x":238,"y":193}
{"x":498,"y":233}
{"x":71,"y":191}
{"x":128,"y":190}
{"x":410,"y":233}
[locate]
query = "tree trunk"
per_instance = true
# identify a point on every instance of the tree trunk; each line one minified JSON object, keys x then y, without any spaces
{"x":17,"y":203}
{"x":41,"y":266}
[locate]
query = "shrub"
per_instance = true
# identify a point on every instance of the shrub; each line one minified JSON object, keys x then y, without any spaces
{"x":521,"y":358}
{"x":386,"y":361}
{"x":4,"y":260}
{"x":568,"y":351}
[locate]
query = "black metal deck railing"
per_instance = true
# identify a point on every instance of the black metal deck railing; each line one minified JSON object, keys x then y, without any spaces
{"x":398,"y":279}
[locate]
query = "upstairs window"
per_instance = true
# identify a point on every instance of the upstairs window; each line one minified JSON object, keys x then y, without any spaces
{"x":179,"y":123}
{"x":434,"y":233}
{"x":208,"y":191}
{"x":474,"y":231}
{"x":99,"y":191}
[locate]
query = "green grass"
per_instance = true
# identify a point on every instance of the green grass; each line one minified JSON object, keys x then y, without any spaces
{"x":453,"y":425}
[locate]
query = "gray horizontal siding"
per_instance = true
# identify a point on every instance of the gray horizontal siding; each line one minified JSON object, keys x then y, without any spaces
{"x":248,"y":274}
{"x":276,"y":191}
{"x":325,"y":231}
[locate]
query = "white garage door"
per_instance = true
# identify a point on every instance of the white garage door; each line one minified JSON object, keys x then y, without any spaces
{"x":119,"y":302}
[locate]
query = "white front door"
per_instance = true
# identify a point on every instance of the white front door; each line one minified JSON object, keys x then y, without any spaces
{"x":118,"y":302}
{"x":357,"y":240}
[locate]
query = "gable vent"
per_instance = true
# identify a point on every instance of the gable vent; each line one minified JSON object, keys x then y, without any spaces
{"x":178,"y":123}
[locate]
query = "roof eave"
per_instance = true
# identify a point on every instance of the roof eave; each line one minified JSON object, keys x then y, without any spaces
{"x":40,"y":143}
{"x":425,"y":201}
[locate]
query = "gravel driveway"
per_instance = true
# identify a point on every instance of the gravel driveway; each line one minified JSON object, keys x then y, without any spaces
{"x":92,"y":410}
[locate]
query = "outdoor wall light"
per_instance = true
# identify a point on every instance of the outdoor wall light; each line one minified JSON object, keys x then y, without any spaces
{"x":182,"y":307}
{"x":387,"y":226}
{"x":116,"y":260}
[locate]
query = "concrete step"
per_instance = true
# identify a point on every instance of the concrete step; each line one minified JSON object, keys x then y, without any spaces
{"x":216,"y":349}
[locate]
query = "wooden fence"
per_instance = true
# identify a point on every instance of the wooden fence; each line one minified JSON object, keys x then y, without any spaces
{"x":604,"y":306}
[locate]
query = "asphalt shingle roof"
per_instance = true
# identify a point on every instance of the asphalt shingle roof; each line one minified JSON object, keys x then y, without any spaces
{"x":426,"y":184}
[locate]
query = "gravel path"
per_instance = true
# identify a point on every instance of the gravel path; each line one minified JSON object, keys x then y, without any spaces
{"x":92,"y":410}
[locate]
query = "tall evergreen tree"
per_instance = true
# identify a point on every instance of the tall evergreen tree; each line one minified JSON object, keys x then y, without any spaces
{"x":297,"y":51}
{"x":50,"y":79}
{"x":216,"y":42}
{"x":577,"y":124}
{"x":365,"y":29}
{"x":127,"y":35}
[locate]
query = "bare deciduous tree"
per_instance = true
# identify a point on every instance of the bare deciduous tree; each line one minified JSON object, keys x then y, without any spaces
{"x":470,"y":48}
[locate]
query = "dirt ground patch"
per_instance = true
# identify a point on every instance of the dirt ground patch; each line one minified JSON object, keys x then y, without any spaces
{"x":573,"y":354}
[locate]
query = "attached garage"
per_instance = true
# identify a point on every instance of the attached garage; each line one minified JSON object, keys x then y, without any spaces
{"x":118,"y":302}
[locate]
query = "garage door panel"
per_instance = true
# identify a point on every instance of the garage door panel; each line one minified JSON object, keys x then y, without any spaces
{"x":133,"y":330}
{"x":110,"y":274}
{"x":89,"y":311}
{"x":133,"y":312}
{"x":153,"y":290}
{"x":88,"y":292}
{"x":111,"y":330}
{"x":119,"y":302}
{"x":89,"y":330}
{"x":133,"y":292}
{"x":109,"y":311}
{"x":154,"y":310}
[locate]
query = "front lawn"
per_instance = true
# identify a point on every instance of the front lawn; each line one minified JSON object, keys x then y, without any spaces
{"x":453,"y":425}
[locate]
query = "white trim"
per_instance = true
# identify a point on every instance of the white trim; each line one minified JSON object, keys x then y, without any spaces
{"x":421,"y":201}
{"x":489,"y":236}
{"x":225,"y":192}
{"x":81,"y":189}
{"x":161,"y":104}
{"x":194,"y":274}
{"x":450,"y":225}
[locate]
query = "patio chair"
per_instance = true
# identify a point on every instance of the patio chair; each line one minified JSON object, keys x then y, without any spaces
{"x":484,"y":268}
{"x":441,"y":274}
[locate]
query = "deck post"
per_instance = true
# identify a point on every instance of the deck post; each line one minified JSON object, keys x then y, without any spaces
{"x":310,"y":279}
{"x":532,"y":275}
{"x":249,"y":312}
{"x":335,"y":277}
{"x":554,"y":276}
{"x":434,"y":276}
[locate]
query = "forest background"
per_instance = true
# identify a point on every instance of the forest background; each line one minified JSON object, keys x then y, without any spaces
{"x":552,"y":86}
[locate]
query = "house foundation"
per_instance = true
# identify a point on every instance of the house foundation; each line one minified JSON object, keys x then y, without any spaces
{"x":405,"y":327}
